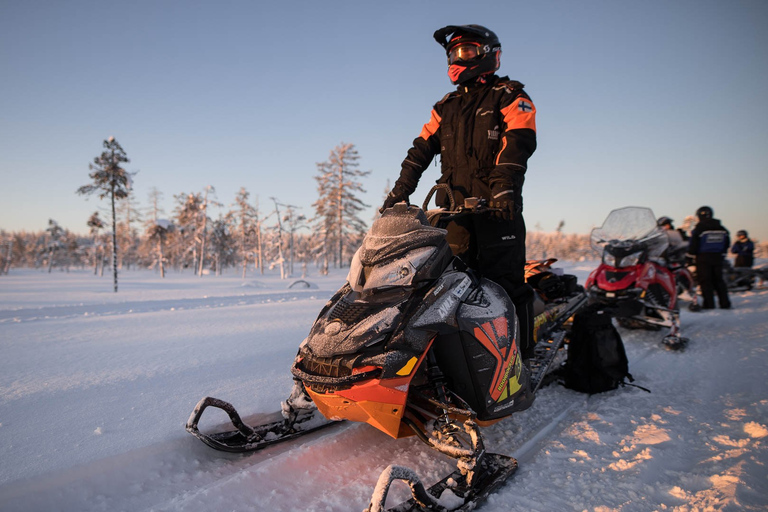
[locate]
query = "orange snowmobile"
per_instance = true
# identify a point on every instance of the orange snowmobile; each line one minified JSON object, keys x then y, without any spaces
{"x":415,"y":343}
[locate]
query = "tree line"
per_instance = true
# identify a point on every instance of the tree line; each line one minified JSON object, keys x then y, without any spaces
{"x":248,"y":235}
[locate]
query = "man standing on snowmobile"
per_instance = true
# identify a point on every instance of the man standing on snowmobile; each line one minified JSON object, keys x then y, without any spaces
{"x":484,"y":132}
{"x":709,"y":244}
{"x":744,"y":249}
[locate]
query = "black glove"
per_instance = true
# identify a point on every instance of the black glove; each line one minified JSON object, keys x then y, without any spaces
{"x":397,"y":195}
{"x":503,"y":198}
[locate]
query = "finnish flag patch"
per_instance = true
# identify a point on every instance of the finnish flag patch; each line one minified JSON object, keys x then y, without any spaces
{"x":524,"y":106}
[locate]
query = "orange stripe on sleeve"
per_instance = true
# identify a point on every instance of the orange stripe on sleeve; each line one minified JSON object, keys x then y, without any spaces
{"x":431,"y":127}
{"x":520,"y":114}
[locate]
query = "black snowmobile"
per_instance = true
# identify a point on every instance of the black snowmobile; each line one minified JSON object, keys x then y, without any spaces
{"x":416,"y":343}
{"x":739,"y":279}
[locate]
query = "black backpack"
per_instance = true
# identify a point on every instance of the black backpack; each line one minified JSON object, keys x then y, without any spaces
{"x":596,"y":360}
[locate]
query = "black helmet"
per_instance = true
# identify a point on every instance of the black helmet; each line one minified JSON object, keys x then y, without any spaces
{"x":743,"y":233}
{"x":663,"y":221}
{"x":472,"y":51}
{"x":705,"y":212}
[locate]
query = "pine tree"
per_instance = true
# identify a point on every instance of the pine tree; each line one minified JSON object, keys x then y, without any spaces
{"x":95,"y":224}
{"x":156,"y":230}
{"x":204,"y":229}
{"x":338,"y":205}
{"x":222,"y":243}
{"x":55,"y":233}
{"x":112,"y":181}
{"x":278,"y":240}
{"x":248,"y":231}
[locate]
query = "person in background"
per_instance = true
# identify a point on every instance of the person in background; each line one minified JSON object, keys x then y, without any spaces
{"x":744,"y":250}
{"x":677,"y":248}
{"x":484,"y":132}
{"x":708,"y":246}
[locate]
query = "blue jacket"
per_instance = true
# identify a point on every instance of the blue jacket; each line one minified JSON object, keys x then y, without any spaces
{"x":744,"y":252}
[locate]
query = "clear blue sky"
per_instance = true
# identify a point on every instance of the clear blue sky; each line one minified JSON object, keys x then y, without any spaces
{"x":656,"y":103}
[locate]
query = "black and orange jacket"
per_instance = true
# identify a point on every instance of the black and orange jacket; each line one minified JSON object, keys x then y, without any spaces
{"x":484,"y":134}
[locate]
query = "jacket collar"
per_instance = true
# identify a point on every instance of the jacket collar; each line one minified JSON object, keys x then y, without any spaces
{"x":478,"y":83}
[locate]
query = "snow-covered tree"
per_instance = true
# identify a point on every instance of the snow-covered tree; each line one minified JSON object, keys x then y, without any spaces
{"x":292,"y":222}
{"x":157,"y":236}
{"x":203,"y":231}
{"x":129,"y":216}
{"x":156,"y":231}
{"x":187,"y":221}
{"x":247,"y":235}
{"x":112,"y":181}
{"x":55,"y":234}
{"x":95,"y":224}
{"x":222,"y":243}
{"x":6,"y":249}
{"x":338,"y":206}
{"x":278,"y":242}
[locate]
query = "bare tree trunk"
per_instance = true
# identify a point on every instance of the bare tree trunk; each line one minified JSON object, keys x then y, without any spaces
{"x":8,"y":257}
{"x":260,"y":261}
{"x":341,"y":210}
{"x":280,"y":241}
{"x":114,"y":240}
{"x":243,"y":235}
{"x":95,"y":254}
{"x":161,"y":256}
{"x":202,"y":242}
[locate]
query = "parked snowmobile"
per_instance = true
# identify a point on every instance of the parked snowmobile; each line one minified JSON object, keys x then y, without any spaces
{"x":416,"y":343}
{"x":632,"y":279}
{"x":740,"y":279}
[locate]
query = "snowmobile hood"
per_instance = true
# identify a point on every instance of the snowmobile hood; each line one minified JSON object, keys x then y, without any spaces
{"x":398,"y":230}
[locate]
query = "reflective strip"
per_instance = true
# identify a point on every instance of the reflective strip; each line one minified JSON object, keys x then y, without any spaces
{"x":431,"y":127}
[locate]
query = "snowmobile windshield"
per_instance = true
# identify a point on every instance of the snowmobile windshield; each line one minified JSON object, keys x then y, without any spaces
{"x":630,"y":224}
{"x":400,"y":251}
{"x":395,"y":273}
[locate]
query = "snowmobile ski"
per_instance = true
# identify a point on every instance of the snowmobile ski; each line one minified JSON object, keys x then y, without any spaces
{"x":450,"y":493}
{"x":246,"y":438}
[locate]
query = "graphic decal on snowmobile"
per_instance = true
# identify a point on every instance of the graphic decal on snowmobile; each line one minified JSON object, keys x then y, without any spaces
{"x":493,"y":336}
{"x":546,"y":317}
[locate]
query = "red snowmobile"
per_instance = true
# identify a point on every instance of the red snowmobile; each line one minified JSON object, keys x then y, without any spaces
{"x":416,"y":343}
{"x":632,"y":280}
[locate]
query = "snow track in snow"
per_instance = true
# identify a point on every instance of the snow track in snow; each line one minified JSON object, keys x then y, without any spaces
{"x":31,"y":314}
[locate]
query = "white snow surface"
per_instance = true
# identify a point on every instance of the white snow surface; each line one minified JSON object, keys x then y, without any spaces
{"x":95,"y":388}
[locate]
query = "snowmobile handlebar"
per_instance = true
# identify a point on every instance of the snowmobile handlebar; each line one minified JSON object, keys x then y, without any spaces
{"x":471,"y":204}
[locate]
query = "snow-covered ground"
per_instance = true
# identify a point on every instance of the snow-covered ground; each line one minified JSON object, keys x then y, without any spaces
{"x":95,"y":388}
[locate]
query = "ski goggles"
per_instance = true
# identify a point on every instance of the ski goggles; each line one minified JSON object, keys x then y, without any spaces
{"x":465,"y":52}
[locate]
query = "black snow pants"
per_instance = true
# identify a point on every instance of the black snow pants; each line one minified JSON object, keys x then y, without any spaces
{"x":496,"y":250}
{"x":709,"y":272}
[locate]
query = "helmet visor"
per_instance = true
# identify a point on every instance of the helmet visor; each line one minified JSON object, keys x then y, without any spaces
{"x":464,"y":52}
